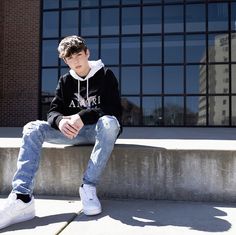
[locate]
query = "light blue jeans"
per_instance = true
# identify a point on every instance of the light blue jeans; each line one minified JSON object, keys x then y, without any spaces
{"x":103,"y":135}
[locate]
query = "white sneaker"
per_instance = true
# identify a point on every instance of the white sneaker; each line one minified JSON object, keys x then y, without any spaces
{"x":89,"y":199}
{"x":14,"y":211}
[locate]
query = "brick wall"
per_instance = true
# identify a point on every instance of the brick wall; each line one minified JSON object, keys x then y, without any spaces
{"x":19,"y":62}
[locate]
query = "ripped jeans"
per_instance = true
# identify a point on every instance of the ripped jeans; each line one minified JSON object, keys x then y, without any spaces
{"x":103,"y":135}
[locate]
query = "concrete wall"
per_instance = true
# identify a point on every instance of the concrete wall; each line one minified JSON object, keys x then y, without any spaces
{"x":134,"y":172}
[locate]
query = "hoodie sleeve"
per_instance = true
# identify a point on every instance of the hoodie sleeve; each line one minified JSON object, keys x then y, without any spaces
{"x":110,"y":101}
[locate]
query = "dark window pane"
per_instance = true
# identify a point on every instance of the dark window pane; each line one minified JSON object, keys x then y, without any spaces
{"x":130,"y":20}
{"x":195,"y":17}
{"x":195,"y":110}
{"x":233,"y":47}
{"x":167,"y":1}
{"x":196,"y":79}
{"x":89,"y":3}
{"x":130,"y":50}
{"x":152,"y":19}
{"x":195,"y":48}
{"x":218,"y":79}
{"x":131,"y":111}
{"x":110,"y":21}
{"x":49,"y":81}
{"x":50,"y":4}
{"x":130,"y":2}
{"x":69,"y":23}
{"x":50,"y":55}
{"x":92,"y":44}
{"x":130,"y":83}
{"x":173,"y":49}
{"x":173,"y":110}
{"x":218,"y":48}
{"x":152,"y":81}
{"x":151,"y":49}
{"x":173,"y":80}
{"x":233,"y":75}
{"x":151,"y":1}
{"x":217,"y":16}
{"x":233,"y":16}
{"x":173,"y":17}
{"x":50,"y":24}
{"x":218,"y":110}
{"x":110,"y":2}
{"x":152,"y":111}
{"x":233,"y":110}
{"x":89,"y":22}
{"x":110,"y":50}
{"x":70,"y":3}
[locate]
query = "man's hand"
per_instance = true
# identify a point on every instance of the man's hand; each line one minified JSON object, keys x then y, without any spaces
{"x":71,"y":125}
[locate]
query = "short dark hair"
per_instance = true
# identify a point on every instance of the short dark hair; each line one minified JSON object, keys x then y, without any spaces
{"x":71,"y":45}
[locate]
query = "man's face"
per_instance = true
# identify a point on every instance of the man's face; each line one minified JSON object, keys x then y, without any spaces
{"x":79,"y":62}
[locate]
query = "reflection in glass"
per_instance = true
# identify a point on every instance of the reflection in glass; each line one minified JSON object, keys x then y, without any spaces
{"x":49,"y":81}
{"x":173,"y":49}
{"x":130,"y":20}
{"x":195,"y":17}
{"x":218,"y":110}
{"x":217,"y":16}
{"x":195,"y":48}
{"x":110,"y":50}
{"x":233,"y":47}
{"x":131,"y":111}
{"x":152,"y":111}
{"x":152,"y":80}
{"x":89,"y":22}
{"x":195,"y":110}
{"x":233,"y":106}
{"x":50,"y":24}
{"x":173,"y":110}
{"x":49,"y":53}
{"x":173,"y":79}
{"x":152,"y":19}
{"x":110,"y":21}
{"x":218,"y":48}
{"x":70,"y":3}
{"x":196,"y":79}
{"x":233,"y":77}
{"x":233,"y":16}
{"x":50,"y":4}
{"x":130,"y":2}
{"x":110,"y":2}
{"x":89,"y":3}
{"x":173,"y":18}
{"x":130,"y":50}
{"x":92,"y":44}
{"x":218,"y":78}
{"x":130,"y":83}
{"x":69,"y":23}
{"x":151,"y":49}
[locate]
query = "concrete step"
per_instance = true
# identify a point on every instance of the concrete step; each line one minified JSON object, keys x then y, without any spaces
{"x":199,"y":165}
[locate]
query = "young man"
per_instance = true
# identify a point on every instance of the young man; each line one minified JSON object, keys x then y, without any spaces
{"x":86,"y":109}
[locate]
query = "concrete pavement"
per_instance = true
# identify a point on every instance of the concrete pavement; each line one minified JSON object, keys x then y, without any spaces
{"x":128,"y":217}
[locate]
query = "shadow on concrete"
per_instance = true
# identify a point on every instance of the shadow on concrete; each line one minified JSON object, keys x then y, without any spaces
{"x":192,"y":215}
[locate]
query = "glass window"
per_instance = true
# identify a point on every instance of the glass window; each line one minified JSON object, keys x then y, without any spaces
{"x":70,"y":3}
{"x":151,"y":49}
{"x":130,"y":83}
{"x":217,"y":16}
{"x":110,"y":50}
{"x":152,"y":111}
{"x":131,"y":111}
{"x":218,"y":48}
{"x":110,"y":21}
{"x":173,"y":49}
{"x":50,"y":24}
{"x":196,"y":79}
{"x":110,"y":2}
{"x":49,"y":53}
{"x":64,"y":71}
{"x":167,"y":1}
{"x":195,"y":48}
{"x":233,"y":16}
{"x":130,"y":2}
{"x":218,"y":110}
{"x":218,"y":78}
{"x":49,"y":81}
{"x":50,"y":4}
{"x":195,"y":110}
{"x":92,"y":44}
{"x":130,"y":20}
{"x":152,"y":19}
{"x":89,"y":22}
{"x":152,"y":80}
{"x":69,"y":23}
{"x":151,"y":1}
{"x":130,"y":50}
{"x":233,"y":47}
{"x":173,"y":18}
{"x":173,"y":80}
{"x":233,"y":78}
{"x":195,"y":17}
{"x":233,"y":106}
{"x":173,"y":110}
{"x":89,"y":3}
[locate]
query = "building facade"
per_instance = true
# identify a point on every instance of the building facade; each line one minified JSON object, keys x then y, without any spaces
{"x":175,"y":60}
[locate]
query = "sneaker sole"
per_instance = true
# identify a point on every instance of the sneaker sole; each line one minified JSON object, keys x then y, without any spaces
{"x":93,"y":212}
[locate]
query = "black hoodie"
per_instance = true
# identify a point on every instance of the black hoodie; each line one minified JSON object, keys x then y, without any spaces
{"x":91,"y":97}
